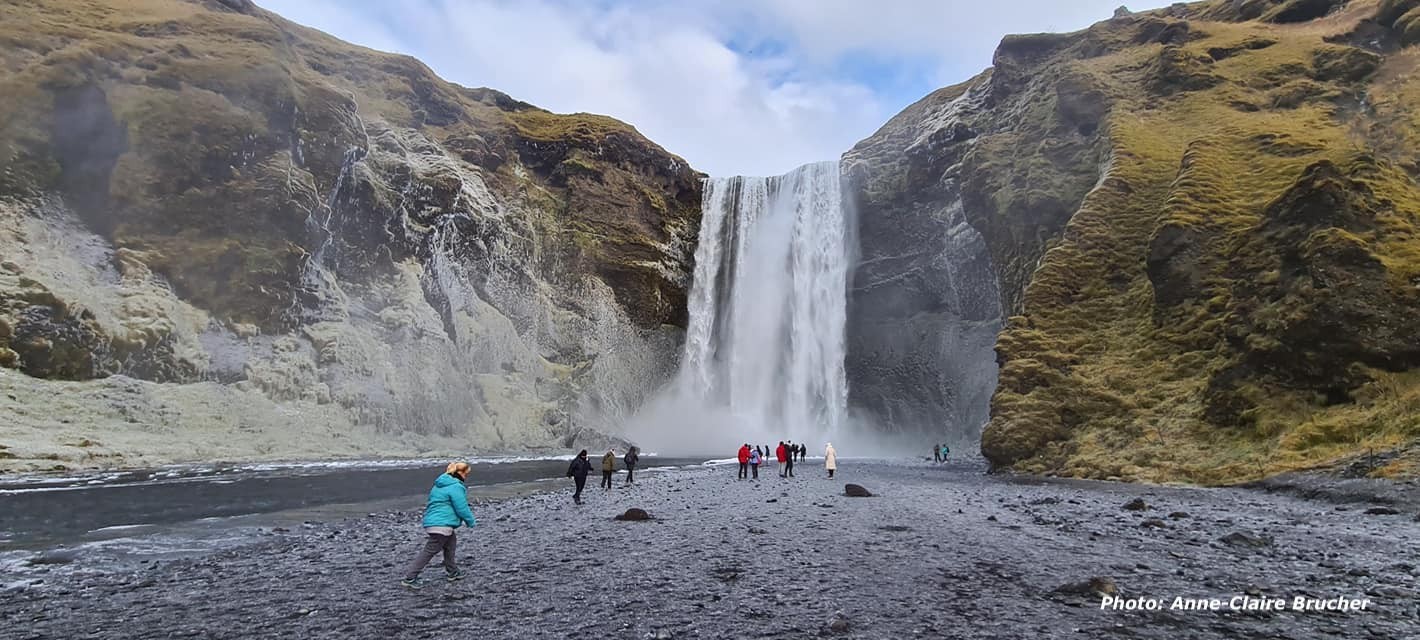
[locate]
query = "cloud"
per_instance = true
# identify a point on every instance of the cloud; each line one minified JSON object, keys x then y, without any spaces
{"x":752,"y":87}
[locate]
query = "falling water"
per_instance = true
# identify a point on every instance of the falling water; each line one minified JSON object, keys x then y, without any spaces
{"x":765,"y":344}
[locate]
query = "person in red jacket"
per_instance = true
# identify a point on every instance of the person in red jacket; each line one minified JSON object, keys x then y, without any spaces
{"x":781,"y":453}
{"x":744,"y":462}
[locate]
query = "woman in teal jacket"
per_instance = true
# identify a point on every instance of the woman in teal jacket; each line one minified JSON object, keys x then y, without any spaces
{"x":447,"y":510}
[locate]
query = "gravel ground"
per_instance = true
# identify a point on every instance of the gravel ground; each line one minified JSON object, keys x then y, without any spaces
{"x":939,"y":552}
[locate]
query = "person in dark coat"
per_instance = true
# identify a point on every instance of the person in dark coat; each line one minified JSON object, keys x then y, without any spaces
{"x":578,"y":471}
{"x":789,"y":466}
{"x":632,"y":457}
{"x":937,"y":452}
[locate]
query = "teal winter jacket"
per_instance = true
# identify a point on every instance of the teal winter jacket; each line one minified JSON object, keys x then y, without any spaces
{"x":448,"y":504}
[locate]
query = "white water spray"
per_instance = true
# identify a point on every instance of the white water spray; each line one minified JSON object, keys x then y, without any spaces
{"x":764,"y":348}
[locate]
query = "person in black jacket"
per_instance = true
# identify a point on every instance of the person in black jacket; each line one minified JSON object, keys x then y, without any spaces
{"x":632,"y":457}
{"x":578,"y":471}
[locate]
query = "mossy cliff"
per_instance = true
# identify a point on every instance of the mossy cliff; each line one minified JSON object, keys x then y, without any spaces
{"x":251,"y":203}
{"x":1203,"y":221}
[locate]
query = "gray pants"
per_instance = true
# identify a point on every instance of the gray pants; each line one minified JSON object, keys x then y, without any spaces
{"x":432,"y":547}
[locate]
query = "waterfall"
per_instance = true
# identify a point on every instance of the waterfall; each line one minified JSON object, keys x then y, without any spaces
{"x":764,"y":348}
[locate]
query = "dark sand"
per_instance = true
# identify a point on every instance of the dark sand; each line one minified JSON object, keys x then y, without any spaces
{"x":940,"y":552}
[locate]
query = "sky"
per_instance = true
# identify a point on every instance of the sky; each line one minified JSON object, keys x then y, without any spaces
{"x":736,"y":87}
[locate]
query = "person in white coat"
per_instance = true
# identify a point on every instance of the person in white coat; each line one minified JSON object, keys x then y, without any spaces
{"x":830,"y":459}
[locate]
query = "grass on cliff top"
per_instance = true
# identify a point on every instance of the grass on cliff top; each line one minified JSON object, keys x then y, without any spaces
{"x":1209,"y":159}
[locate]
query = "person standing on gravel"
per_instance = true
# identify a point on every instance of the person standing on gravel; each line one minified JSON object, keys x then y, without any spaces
{"x":743,"y":456}
{"x":830,"y":460}
{"x":632,"y":457}
{"x":754,"y":459}
{"x":445,"y":511}
{"x":937,"y":452}
{"x":781,"y":455}
{"x":789,"y":466}
{"x":608,"y":468}
{"x":578,"y":471}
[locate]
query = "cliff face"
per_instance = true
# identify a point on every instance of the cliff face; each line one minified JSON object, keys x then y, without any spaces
{"x":206,"y":209}
{"x":1202,"y":220}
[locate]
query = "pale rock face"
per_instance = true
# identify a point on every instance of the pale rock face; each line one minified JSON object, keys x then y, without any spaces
{"x":343,"y":255}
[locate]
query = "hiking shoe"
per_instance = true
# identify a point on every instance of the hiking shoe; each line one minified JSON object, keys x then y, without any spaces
{"x":453,"y":577}
{"x":412,"y":584}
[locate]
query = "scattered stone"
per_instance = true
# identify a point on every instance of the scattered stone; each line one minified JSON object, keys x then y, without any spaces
{"x":634,"y":515}
{"x":1178,"y":515}
{"x":55,"y":556}
{"x":1098,"y":585}
{"x":1136,"y":504}
{"x":772,"y":500}
{"x":1245,"y":539}
{"x":991,"y":518}
{"x":856,"y":491}
{"x":1359,"y":572}
{"x":1045,"y":501}
{"x":839,"y":623}
{"x":757,"y":531}
{"x":1382,"y":511}
{"x":662,"y":634}
{"x":895,"y":527}
{"x":1153,"y":523}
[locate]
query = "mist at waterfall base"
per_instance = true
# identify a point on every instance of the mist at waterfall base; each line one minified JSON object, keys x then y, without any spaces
{"x":764,"y":349}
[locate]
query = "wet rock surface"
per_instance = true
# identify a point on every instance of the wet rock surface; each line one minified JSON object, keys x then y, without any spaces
{"x":941,"y":552}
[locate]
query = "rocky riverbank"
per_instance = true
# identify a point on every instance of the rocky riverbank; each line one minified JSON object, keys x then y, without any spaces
{"x":936,"y":552}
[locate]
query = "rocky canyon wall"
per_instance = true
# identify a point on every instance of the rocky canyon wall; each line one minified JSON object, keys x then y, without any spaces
{"x":1202,"y":220}
{"x":227,"y":235}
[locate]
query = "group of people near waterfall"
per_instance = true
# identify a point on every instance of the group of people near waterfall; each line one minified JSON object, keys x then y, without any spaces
{"x":581,"y":466}
{"x":785,"y":454}
{"x":447,"y":508}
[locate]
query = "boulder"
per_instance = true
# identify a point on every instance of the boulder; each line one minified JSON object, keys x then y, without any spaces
{"x":1136,"y":504}
{"x":856,"y":491}
{"x":1245,"y":539}
{"x":1100,"y":585}
{"x":634,"y":514}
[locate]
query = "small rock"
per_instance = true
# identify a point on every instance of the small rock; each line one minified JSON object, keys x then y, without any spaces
{"x":1359,"y":572}
{"x":757,"y":531}
{"x":1136,"y":504}
{"x":894,"y":527}
{"x":856,"y":491}
{"x":1045,"y":501}
{"x":1095,"y":585}
{"x":1153,"y":523}
{"x":55,"y":556}
{"x":839,"y":623}
{"x":991,"y":518}
{"x":1382,"y":511}
{"x":1178,"y":515}
{"x":1244,"y":539}
{"x":634,"y":514}
{"x":662,"y":634}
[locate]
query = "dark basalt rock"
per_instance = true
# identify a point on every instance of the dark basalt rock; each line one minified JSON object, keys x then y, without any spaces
{"x":856,"y":491}
{"x":1245,"y":539}
{"x":634,"y":514}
